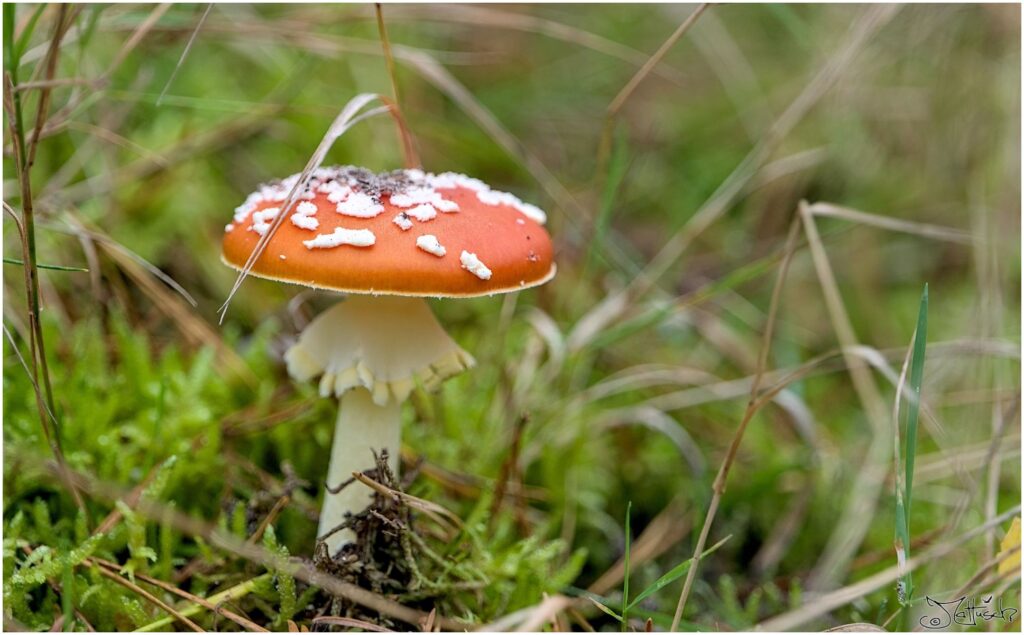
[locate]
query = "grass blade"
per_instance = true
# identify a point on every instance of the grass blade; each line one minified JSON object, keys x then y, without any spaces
{"x":17,"y":261}
{"x":677,"y":572}
{"x":625,"y":579}
{"x":604,"y":609}
{"x":904,"y":490}
{"x":916,"y":376}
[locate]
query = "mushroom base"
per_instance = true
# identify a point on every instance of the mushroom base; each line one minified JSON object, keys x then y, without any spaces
{"x":362,"y":428}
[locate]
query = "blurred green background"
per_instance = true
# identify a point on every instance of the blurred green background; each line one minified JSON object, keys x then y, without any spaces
{"x":632,"y":392}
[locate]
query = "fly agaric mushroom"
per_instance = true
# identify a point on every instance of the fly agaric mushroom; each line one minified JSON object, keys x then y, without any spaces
{"x":390,"y":240}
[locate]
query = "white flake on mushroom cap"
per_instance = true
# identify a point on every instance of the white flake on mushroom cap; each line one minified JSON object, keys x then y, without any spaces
{"x":304,"y":216}
{"x":473,"y":265}
{"x":429,"y":244}
{"x":408,"y":188}
{"x":359,"y":205}
{"x":494,"y":198}
{"x":452,"y":180}
{"x":342,"y":236}
{"x":402,"y":220}
{"x":423,"y":195}
{"x":487,"y":196}
{"x":261,"y":220}
{"x":423,"y":212}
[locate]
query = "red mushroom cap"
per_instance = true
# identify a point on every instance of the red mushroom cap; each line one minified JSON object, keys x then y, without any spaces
{"x":398,"y":233}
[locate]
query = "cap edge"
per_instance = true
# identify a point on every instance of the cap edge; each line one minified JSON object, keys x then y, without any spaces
{"x":444,"y":294}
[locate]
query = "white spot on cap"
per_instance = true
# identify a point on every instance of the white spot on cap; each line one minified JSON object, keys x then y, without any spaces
{"x":261,"y":220}
{"x":473,"y":265}
{"x":304,"y":216}
{"x":359,"y":205}
{"x":520,"y":221}
{"x":494,"y":197}
{"x":305,"y":222}
{"x":402,"y":220}
{"x":228,"y":227}
{"x":452,"y":180}
{"x":533,"y":212}
{"x":421,"y":196}
{"x":342,"y":236}
{"x":422,"y":212}
{"x":429,"y":244}
{"x":282,"y":257}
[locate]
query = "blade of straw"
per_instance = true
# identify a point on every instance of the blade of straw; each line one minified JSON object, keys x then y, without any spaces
{"x":345,"y":120}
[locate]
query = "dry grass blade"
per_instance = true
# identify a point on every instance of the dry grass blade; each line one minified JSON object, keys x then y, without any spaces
{"x":145,"y":27}
{"x":53,"y":83}
{"x":926,"y":230}
{"x":718,"y":487}
{"x":189,"y":323}
{"x":149,"y":597}
{"x":348,"y":117}
{"x":349,"y":622}
{"x":45,"y":94}
{"x":170,"y":588}
{"x":620,"y":99}
{"x":857,"y":515}
{"x":448,"y":520}
{"x":113,"y":137}
{"x":828,"y":602}
{"x":184,"y":53}
{"x":24,"y":364}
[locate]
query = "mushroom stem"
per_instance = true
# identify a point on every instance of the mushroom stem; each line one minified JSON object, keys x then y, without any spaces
{"x":362,"y":428}
{"x":370,"y":352}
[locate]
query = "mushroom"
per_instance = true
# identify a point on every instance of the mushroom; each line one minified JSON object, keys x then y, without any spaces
{"x":387,"y":241}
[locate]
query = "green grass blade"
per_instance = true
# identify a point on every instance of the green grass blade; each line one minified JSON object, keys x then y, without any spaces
{"x":625,"y":579}
{"x":22,"y":43}
{"x":677,"y":572}
{"x":16,"y":261}
{"x":914,"y":404}
{"x":9,"y":15}
{"x":904,"y":490}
